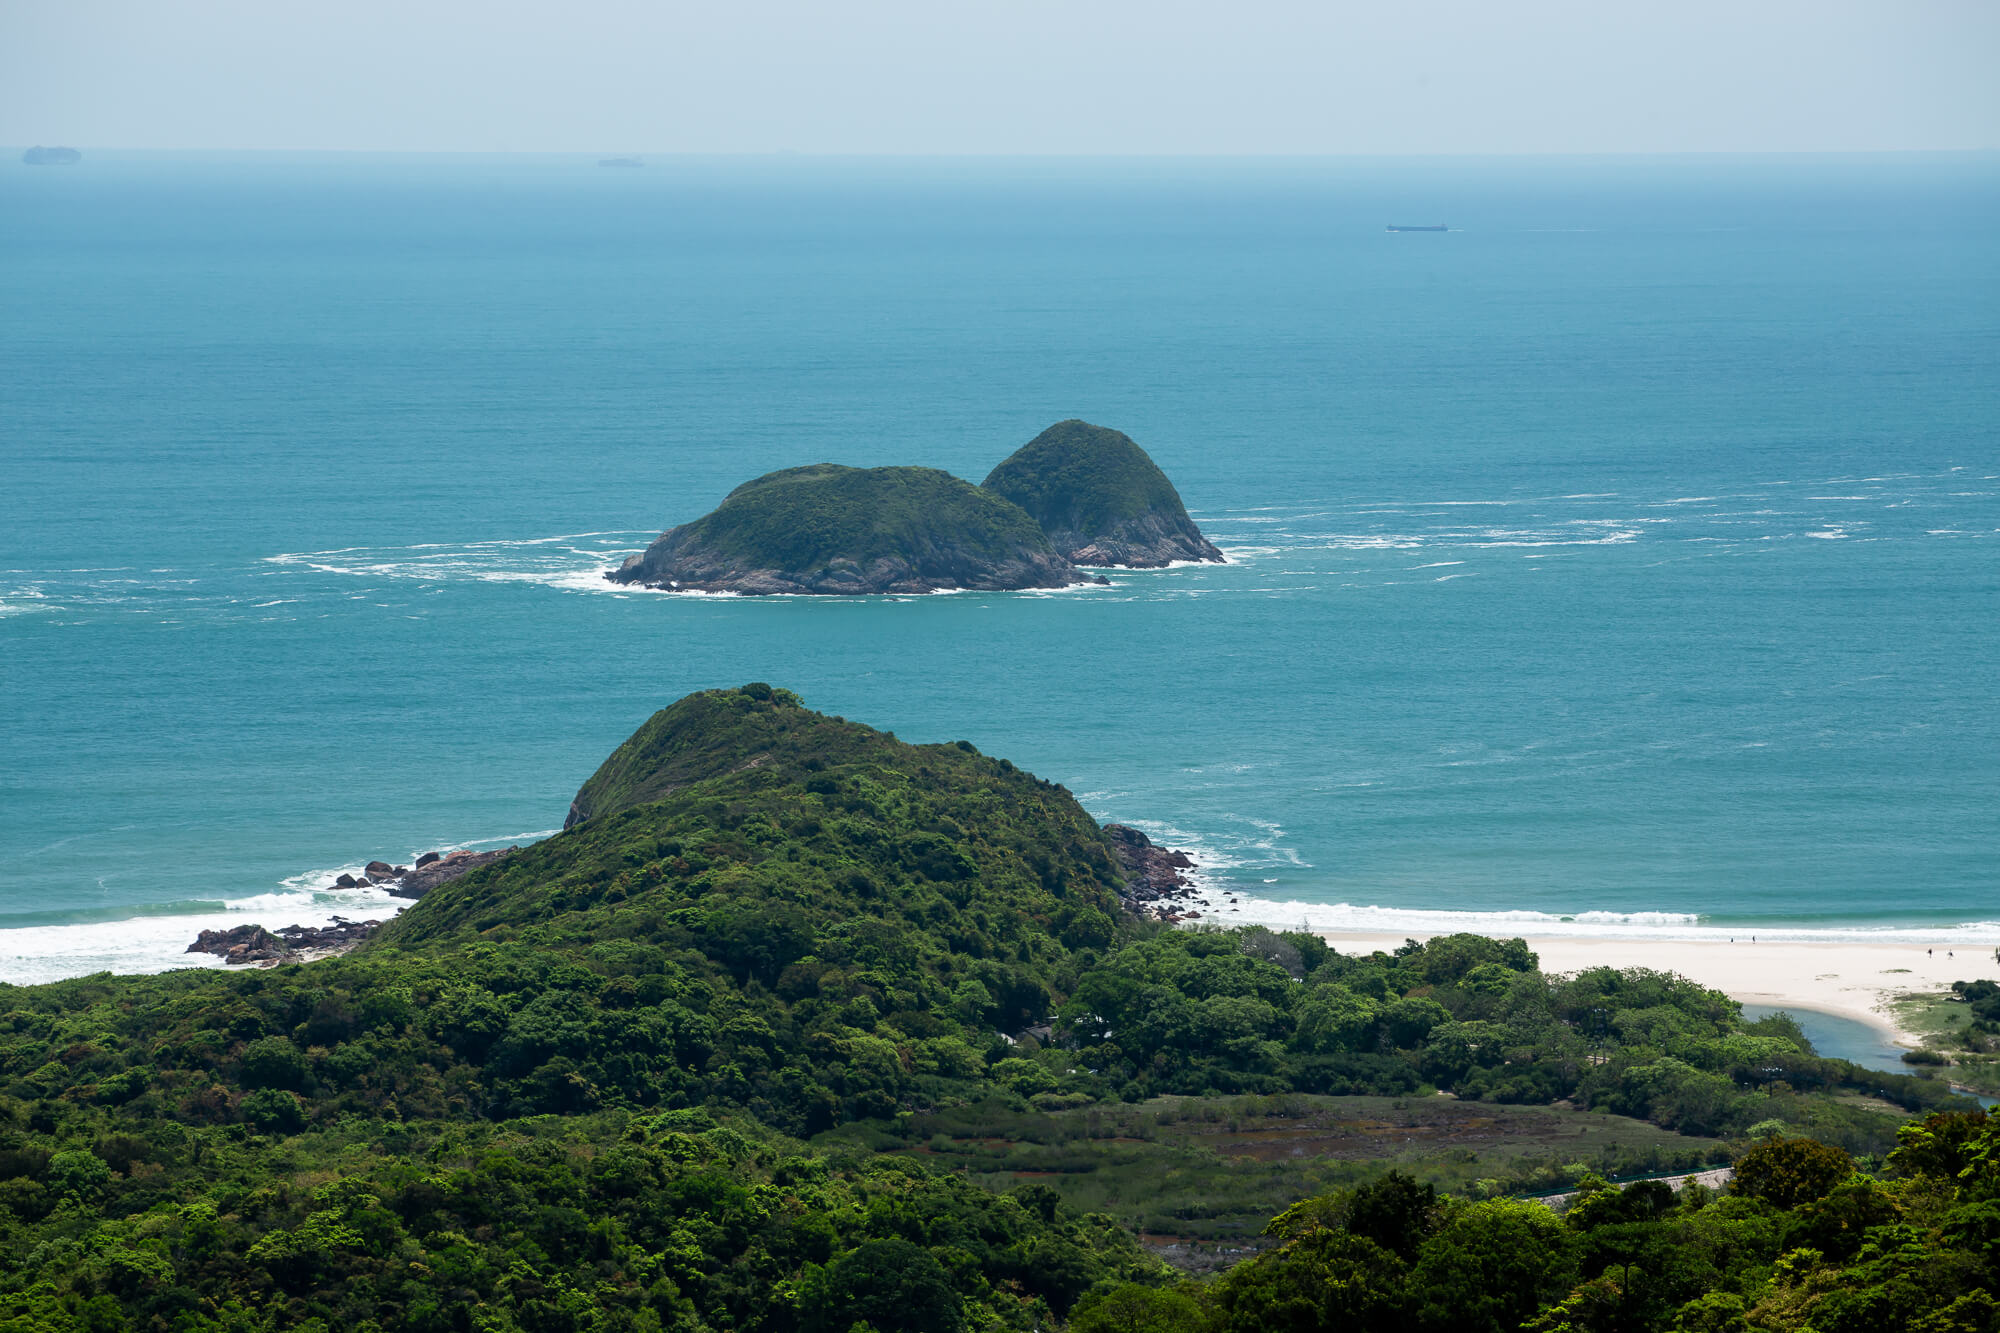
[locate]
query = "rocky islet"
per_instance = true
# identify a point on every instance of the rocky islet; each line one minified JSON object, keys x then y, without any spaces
{"x":1076,"y":495}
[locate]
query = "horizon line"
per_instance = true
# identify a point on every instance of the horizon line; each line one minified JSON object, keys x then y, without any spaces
{"x":1051,"y":155}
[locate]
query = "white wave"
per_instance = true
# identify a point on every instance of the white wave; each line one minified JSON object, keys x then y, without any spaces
{"x":25,"y":600}
{"x":1350,"y":918}
{"x":34,"y":954}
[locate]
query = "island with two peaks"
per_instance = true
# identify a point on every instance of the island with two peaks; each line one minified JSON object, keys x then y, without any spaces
{"x":1077,"y":495}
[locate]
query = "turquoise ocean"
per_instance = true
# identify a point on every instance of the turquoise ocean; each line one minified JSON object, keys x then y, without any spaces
{"x":1625,"y":559}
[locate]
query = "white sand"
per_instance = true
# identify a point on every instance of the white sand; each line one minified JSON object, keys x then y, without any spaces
{"x":1853,"y":980}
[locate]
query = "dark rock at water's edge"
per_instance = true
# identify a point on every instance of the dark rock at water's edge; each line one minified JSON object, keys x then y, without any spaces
{"x":39,"y":156}
{"x":1154,"y":884}
{"x":834,"y":530}
{"x":254,"y":944}
{"x":1101,"y":499}
{"x":442,"y":869}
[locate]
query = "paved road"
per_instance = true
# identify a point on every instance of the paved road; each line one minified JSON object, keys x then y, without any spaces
{"x":1714,"y":1179}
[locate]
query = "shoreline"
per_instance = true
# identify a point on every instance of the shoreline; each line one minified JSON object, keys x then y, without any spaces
{"x":1855,"y":980}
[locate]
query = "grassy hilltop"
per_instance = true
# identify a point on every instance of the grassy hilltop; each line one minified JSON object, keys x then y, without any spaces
{"x":801,"y":1027}
{"x":832,"y":529}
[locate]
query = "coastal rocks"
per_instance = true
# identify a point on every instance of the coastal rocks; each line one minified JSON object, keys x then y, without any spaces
{"x":843,"y":531}
{"x":254,"y":944}
{"x":1154,"y":883}
{"x":244,"y":944}
{"x":297,"y":944}
{"x":432,"y":870}
{"x":1101,"y":499}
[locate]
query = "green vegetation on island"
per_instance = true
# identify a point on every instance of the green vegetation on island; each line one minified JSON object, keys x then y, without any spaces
{"x":1100,"y":498}
{"x":801,"y":1027}
{"x":841,"y":530}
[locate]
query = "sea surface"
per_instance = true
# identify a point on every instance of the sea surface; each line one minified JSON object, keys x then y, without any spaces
{"x":1624,"y":560}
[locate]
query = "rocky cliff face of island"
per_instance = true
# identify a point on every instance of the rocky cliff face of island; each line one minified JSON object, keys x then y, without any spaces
{"x":838,"y":530}
{"x":1100,"y":499}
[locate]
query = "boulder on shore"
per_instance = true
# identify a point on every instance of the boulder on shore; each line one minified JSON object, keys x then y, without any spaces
{"x":442,"y":869}
{"x":1154,"y":882}
{"x":254,"y":944}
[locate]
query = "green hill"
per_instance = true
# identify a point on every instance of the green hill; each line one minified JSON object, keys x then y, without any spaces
{"x":842,"y":530}
{"x":1100,"y":498}
{"x":570,"y":1090}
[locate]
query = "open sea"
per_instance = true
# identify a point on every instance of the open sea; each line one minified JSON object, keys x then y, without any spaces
{"x":1625,"y":559}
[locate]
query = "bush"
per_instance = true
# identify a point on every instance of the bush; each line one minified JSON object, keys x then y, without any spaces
{"x":1790,"y":1172}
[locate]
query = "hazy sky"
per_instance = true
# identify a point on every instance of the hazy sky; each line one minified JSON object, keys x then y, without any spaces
{"x":1025,"y":76}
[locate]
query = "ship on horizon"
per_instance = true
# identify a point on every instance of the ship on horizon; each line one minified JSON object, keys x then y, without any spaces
{"x":1436,"y":227}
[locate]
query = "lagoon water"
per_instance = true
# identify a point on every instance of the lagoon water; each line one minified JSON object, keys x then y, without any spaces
{"x":1625,"y":559}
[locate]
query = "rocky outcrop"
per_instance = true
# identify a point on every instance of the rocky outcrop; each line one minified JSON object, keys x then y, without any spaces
{"x":1155,"y":885}
{"x":679,"y":562}
{"x":254,"y":944}
{"x":442,"y":870}
{"x":296,"y":944}
{"x":1101,"y":499}
{"x":1152,"y":540}
{"x":842,"y":531}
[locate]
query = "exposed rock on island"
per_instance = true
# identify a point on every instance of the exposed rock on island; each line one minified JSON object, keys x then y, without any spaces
{"x":1101,"y":499}
{"x":841,"y":530}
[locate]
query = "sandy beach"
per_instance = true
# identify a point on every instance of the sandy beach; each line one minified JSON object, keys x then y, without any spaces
{"x":1853,"y":980}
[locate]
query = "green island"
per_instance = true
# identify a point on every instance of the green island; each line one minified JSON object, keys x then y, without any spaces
{"x":798,"y":1027}
{"x":839,"y":530}
{"x":1101,"y":499}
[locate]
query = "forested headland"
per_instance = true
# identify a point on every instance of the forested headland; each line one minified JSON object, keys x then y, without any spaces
{"x":727,"y":1052}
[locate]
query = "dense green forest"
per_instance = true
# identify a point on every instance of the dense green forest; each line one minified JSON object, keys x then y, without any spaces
{"x":661,"y":1071}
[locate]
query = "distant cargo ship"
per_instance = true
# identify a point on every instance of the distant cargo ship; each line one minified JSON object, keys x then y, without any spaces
{"x":1439,"y":227}
{"x":39,"y":156}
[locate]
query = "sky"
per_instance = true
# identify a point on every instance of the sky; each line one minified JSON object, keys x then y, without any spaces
{"x":1230,"y":77}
